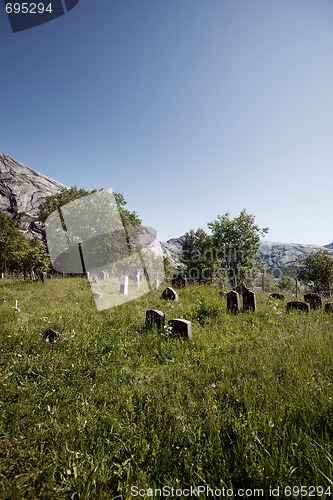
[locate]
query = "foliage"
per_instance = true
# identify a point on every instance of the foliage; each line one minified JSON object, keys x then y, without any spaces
{"x":13,"y":244}
{"x":247,"y":403}
{"x":198,"y":255}
{"x":66,"y":195}
{"x":168,"y":268}
{"x":317,"y":270}
{"x":230,"y":252}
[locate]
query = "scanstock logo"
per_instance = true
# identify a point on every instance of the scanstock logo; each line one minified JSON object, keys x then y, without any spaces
{"x":25,"y":15}
{"x":122,"y":261}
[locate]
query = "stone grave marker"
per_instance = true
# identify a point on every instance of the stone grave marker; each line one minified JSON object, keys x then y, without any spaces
{"x":123,"y":285}
{"x":314,"y":300}
{"x":51,"y":335}
{"x":299,"y":306}
{"x":155,"y":284}
{"x":249,"y":300}
{"x":170,"y":294}
{"x":233,"y":302}
{"x":137,"y":280}
{"x":181,"y":328}
{"x":278,"y":296}
{"x":97,"y":295}
{"x":155,"y":318}
{"x":44,"y":278}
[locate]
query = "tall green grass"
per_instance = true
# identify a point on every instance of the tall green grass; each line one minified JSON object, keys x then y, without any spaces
{"x":248,"y":403}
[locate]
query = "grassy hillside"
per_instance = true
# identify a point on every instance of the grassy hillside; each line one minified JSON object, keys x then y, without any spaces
{"x":248,"y":403}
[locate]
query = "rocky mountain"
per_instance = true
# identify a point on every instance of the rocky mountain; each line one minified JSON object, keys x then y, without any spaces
{"x":330,"y":245}
{"x":273,"y":253}
{"x":22,"y":189}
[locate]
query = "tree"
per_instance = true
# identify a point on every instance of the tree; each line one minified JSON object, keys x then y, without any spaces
{"x":237,"y":243}
{"x":198,"y":255}
{"x":13,"y":244}
{"x":316,"y":270}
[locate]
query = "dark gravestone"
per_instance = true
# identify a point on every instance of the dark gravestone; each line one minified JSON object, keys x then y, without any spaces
{"x":314,"y":300}
{"x":179,"y":281}
{"x":249,"y":301}
{"x":50,"y":335}
{"x":241,"y":288}
{"x":299,"y":306}
{"x":181,"y":328}
{"x":170,"y":294}
{"x":155,"y":318}
{"x":278,"y":296}
{"x":233,"y":302}
{"x":329,"y":307}
{"x":44,"y":278}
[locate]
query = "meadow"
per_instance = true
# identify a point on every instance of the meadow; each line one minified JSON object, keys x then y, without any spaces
{"x":112,"y":409}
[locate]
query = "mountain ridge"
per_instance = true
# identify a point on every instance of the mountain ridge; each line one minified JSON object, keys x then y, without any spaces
{"x":23,"y":189}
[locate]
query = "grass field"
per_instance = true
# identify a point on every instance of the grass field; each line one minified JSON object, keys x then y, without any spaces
{"x":113,"y":408}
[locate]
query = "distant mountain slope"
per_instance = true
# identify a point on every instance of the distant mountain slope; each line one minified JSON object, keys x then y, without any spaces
{"x":273,"y":253}
{"x":22,"y":189}
{"x":330,"y":245}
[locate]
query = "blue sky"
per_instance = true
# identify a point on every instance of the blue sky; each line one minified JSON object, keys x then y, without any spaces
{"x":189,"y":108}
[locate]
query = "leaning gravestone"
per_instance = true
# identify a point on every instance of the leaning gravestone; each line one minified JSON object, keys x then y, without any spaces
{"x":155,"y":318}
{"x":278,"y":296}
{"x":249,"y":300}
{"x":299,"y":306}
{"x":170,"y":294}
{"x":314,"y":300}
{"x":233,"y":302}
{"x":181,"y":328}
{"x":329,"y":307}
{"x":44,"y":278}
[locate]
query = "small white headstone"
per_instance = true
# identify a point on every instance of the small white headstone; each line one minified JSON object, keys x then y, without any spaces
{"x":123,"y":285}
{"x":137,"y":280}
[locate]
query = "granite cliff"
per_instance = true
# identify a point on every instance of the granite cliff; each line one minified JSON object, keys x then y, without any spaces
{"x":22,"y":189}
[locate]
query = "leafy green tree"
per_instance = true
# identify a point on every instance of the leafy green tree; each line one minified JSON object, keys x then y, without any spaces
{"x":37,"y":258}
{"x":198,"y":255}
{"x":66,"y":195}
{"x":237,"y":243}
{"x":316,"y":270}
{"x":13,"y":244}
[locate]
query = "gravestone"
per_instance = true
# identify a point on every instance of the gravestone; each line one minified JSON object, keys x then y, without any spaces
{"x":155,"y":284}
{"x":329,"y":307}
{"x":155,"y":318}
{"x":137,"y":280}
{"x":299,"y":306}
{"x":314,"y":300}
{"x":241,"y":288}
{"x":278,"y":296}
{"x":97,"y":295}
{"x":249,"y":300}
{"x":33,"y":275}
{"x":50,"y":335}
{"x":170,"y":294}
{"x":123,"y":285}
{"x":87,"y":275}
{"x":181,"y":328}
{"x":44,"y":278}
{"x":179,"y":281}
{"x":2,"y":276}
{"x":233,"y":302}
